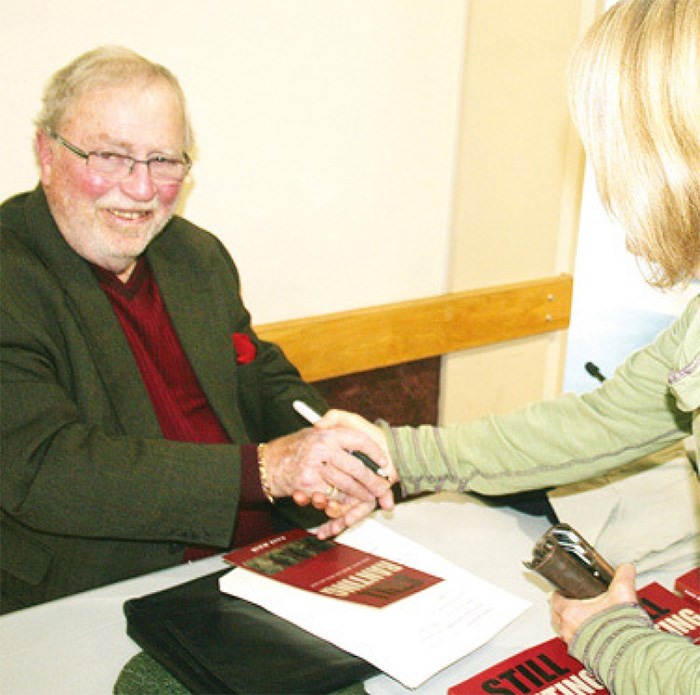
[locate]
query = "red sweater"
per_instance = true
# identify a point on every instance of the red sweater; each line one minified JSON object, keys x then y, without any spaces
{"x":182,"y":409}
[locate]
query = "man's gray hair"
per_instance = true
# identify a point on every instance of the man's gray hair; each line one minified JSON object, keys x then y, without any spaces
{"x":103,"y":66}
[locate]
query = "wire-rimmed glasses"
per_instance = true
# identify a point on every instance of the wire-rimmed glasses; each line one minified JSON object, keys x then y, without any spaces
{"x":116,"y":166}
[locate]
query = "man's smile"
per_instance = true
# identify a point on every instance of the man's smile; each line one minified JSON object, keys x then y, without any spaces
{"x":130,"y":215}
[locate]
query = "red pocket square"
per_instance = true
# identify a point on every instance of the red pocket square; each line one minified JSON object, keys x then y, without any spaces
{"x":245,"y":348}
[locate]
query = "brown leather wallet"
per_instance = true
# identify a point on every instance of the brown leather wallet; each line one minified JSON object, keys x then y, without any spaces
{"x":570,"y":564}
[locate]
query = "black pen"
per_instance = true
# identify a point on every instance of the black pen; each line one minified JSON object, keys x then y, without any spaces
{"x":311,"y":416}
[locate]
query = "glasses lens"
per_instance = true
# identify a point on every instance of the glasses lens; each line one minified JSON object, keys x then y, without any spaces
{"x":167,"y":169}
{"x":110,"y":164}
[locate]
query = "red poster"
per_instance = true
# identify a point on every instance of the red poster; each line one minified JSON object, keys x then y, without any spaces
{"x":547,"y":668}
{"x":298,"y":558}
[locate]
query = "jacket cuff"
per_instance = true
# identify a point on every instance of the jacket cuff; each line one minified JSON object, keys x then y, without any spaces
{"x":601,"y":642}
{"x":251,"y":489}
{"x":423,"y":459}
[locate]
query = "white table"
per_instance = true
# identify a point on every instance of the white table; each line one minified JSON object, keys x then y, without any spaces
{"x":79,"y":644}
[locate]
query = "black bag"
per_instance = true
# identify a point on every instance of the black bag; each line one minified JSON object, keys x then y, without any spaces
{"x":215,"y":643}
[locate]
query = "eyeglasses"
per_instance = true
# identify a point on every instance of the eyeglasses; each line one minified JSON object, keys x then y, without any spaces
{"x":117,"y":166}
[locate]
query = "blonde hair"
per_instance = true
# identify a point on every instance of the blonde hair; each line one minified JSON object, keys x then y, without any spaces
{"x":103,"y":66}
{"x":636,"y":100}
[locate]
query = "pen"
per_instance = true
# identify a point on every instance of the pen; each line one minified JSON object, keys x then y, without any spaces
{"x":311,"y":416}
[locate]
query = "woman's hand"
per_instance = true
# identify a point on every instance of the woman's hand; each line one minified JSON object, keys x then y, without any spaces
{"x":568,"y":614}
{"x":344,"y":418}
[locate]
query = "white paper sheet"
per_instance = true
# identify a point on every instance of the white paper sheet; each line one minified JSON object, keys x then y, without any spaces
{"x":410,"y":640}
{"x":647,"y":512}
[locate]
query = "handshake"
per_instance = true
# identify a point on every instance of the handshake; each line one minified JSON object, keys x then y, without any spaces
{"x":340,"y":466}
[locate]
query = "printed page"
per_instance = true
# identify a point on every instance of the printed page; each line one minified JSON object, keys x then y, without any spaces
{"x":410,"y":639}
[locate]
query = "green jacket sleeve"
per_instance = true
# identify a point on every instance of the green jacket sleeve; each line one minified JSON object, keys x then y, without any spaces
{"x":559,"y":441}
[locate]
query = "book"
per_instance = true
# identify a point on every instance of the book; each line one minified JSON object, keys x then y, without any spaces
{"x":409,"y":639}
{"x":670,"y":612}
{"x":547,"y":668}
{"x":688,"y":586}
{"x":326,"y":567}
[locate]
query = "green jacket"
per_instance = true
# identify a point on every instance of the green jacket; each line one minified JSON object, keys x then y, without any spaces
{"x":91,"y":491}
{"x":652,"y":401}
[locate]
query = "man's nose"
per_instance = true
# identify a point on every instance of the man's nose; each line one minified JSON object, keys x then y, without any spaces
{"x":139,"y":185}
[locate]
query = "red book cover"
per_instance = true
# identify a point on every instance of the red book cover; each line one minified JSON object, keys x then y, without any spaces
{"x":688,"y":586}
{"x":298,"y":558}
{"x":548,"y":669}
{"x":670,"y":612}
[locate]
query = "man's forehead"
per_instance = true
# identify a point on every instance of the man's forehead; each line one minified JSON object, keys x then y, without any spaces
{"x":103,"y":105}
{"x":121,"y":90}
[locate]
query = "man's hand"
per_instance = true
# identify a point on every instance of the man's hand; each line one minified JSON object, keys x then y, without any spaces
{"x":568,"y":614}
{"x":345,"y":515}
{"x":343,"y":509}
{"x":314,"y":464}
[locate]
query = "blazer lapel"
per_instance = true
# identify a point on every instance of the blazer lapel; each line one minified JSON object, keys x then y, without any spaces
{"x":200,"y":319}
{"x":95,"y":321}
{"x":195,"y":307}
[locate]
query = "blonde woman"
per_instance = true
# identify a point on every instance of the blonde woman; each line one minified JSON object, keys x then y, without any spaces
{"x":636,"y":100}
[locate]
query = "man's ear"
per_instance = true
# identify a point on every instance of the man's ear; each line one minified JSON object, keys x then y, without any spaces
{"x":44,"y":154}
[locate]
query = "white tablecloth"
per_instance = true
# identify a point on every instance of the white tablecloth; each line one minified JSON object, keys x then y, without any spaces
{"x":78,"y":645}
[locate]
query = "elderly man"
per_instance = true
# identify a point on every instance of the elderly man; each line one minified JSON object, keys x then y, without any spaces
{"x":143,"y":421}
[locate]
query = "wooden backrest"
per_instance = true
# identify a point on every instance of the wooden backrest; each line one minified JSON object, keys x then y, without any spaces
{"x":346,"y":342}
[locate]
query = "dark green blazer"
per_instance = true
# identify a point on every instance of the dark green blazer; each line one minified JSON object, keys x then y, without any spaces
{"x":91,"y":492}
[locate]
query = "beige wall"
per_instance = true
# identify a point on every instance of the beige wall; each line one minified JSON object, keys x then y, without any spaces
{"x":326,"y":131}
{"x":517,"y":190}
{"x":353,"y":152}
